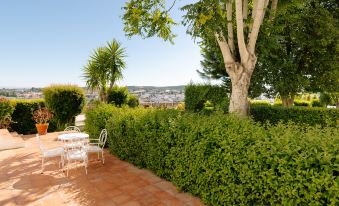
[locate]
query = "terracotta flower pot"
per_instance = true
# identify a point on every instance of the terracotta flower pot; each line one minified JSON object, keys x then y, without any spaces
{"x":42,"y":128}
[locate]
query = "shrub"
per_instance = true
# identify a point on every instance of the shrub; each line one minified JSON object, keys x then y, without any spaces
{"x":97,"y":117}
{"x":316,"y":103}
{"x":260,"y":102}
{"x":133,"y":101}
{"x":6,"y":111}
{"x":302,"y":103}
{"x":118,"y":96}
{"x":22,"y":117}
{"x":228,"y":161}
{"x":301,"y":115}
{"x":329,"y":98}
{"x":65,"y":102}
{"x":277,"y":102}
{"x":197,"y":94}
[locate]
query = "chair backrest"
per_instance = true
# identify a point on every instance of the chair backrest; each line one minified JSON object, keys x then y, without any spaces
{"x":103,"y":138}
{"x":42,"y":149}
{"x":72,"y":129}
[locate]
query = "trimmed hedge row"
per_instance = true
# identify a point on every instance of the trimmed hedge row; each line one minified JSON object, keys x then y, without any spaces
{"x":97,"y":117}
{"x":300,"y":115}
{"x":22,"y":121}
{"x":196,"y":95}
{"x":225,"y":160}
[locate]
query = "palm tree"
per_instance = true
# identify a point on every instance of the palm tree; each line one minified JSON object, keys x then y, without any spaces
{"x":105,"y":67}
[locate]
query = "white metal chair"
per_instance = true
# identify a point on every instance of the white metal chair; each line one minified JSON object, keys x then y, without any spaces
{"x":76,"y":141}
{"x":72,"y":129}
{"x":75,"y":154}
{"x":50,"y":153}
{"x":97,"y":145}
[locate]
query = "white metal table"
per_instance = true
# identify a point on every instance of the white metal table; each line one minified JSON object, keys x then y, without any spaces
{"x":72,"y":136}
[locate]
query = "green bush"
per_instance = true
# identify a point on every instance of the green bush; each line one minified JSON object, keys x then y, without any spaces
{"x":6,"y":111}
{"x":329,"y":98}
{"x":302,"y":103}
{"x":133,"y":101}
{"x":22,"y":117}
{"x":117,"y":96}
{"x":228,"y":161}
{"x":97,"y":117}
{"x":260,"y":102}
{"x":65,"y":101}
{"x":197,"y":94}
{"x":300,"y":115}
{"x":316,"y":103}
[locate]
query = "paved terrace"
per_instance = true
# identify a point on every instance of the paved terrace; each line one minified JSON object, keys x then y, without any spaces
{"x":115,"y":183}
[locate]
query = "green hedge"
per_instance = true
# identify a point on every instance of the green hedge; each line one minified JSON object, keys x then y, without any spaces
{"x":300,"y":115}
{"x":196,"y":96}
{"x":65,"y":102}
{"x":6,"y":111}
{"x":228,"y":161}
{"x":97,"y":117}
{"x":22,"y":117}
{"x":302,"y":103}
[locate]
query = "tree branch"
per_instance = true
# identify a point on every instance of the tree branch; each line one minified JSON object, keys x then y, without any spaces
{"x":230,"y":26}
{"x":254,"y":10}
{"x":240,"y":31}
{"x":256,"y":25}
{"x":274,"y":6}
{"x":245,"y":9}
{"x":225,"y":50}
{"x":171,"y":6}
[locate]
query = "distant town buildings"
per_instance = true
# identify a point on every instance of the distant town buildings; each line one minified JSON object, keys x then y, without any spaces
{"x":147,"y":95}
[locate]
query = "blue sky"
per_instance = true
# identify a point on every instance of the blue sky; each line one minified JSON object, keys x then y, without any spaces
{"x":48,"y":41}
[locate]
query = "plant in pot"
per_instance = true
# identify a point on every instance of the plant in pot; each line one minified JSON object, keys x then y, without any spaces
{"x":42,"y":116}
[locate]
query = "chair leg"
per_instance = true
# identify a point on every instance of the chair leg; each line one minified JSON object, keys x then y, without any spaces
{"x":102,"y":156}
{"x":98,"y":155}
{"x":67,"y":167}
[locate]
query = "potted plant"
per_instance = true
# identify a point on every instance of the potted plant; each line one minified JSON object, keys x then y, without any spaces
{"x":42,"y":117}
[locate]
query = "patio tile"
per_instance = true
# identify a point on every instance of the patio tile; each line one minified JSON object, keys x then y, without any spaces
{"x":115,"y":183}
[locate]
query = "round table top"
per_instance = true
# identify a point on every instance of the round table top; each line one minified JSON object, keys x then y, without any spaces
{"x":70,"y":136}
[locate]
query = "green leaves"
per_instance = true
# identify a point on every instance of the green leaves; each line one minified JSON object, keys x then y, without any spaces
{"x":105,"y":67}
{"x":65,"y":102}
{"x":148,"y":18}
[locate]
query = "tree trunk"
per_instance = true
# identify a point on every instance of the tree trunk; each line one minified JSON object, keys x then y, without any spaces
{"x":239,"y":96}
{"x":287,"y":101}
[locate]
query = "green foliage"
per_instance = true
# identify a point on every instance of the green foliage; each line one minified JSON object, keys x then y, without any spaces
{"x":329,"y":98}
{"x":97,"y":117}
{"x":260,"y":102}
{"x":316,"y":103}
{"x":302,"y":103}
{"x":117,"y":96}
{"x":133,"y":101}
{"x":300,"y":115}
{"x":230,"y":161}
{"x":6,"y":111}
{"x":105,"y":67}
{"x":298,"y":50}
{"x":65,"y":102}
{"x":148,"y":19}
{"x":22,"y":117}
{"x":196,"y":96}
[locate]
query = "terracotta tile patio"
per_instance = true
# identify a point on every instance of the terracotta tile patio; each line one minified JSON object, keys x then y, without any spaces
{"x":115,"y":183}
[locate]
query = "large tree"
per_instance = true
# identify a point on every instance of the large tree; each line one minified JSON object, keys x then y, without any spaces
{"x":105,"y":67}
{"x":298,"y":52}
{"x":212,"y":19}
